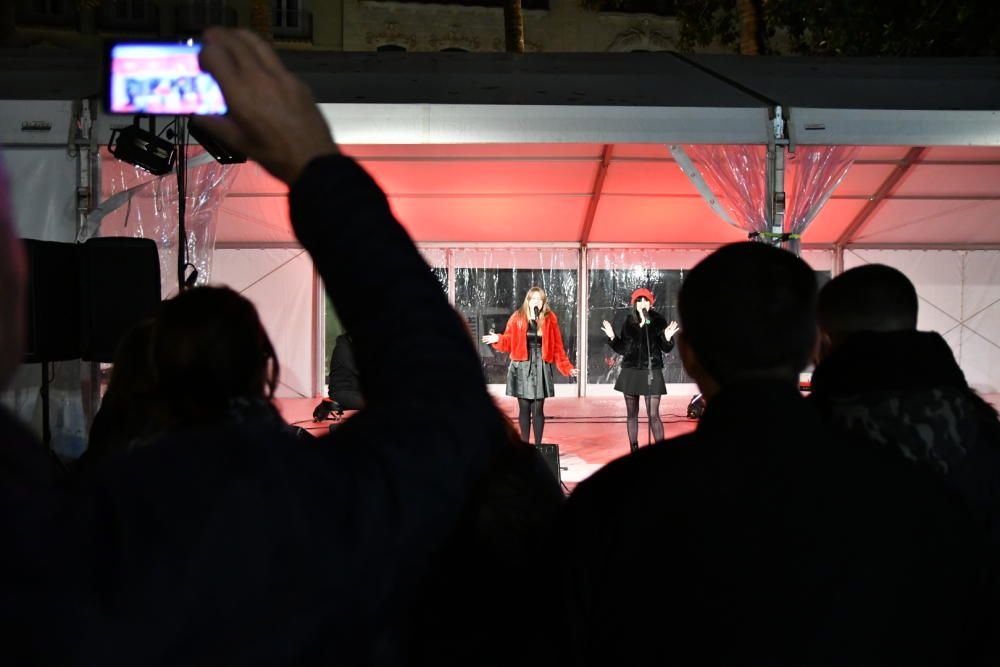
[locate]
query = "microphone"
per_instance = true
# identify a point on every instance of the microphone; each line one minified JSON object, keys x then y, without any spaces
{"x":536,"y":312}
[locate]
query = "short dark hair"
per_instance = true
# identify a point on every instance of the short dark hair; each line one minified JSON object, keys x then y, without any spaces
{"x":873,"y":297}
{"x":209,"y":347}
{"x":749,"y":309}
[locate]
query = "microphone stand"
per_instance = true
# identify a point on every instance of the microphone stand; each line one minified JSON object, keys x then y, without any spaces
{"x":649,"y":383}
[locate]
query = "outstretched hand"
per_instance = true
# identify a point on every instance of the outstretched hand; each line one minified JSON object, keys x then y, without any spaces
{"x":671,"y":329}
{"x":491,"y":338}
{"x":608,"y":330}
{"x":272,"y":117}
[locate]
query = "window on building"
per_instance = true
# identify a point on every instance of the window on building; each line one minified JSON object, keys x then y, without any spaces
{"x":291,"y":20}
{"x":525,"y":4}
{"x":658,"y":7}
{"x":47,"y":13}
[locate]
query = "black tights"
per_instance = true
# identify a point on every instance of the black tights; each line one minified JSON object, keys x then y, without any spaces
{"x":531,"y":410}
{"x":632,"y":417}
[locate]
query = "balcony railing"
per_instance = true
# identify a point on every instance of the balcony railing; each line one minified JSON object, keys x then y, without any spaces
{"x":658,"y":7}
{"x":135,"y":16}
{"x":525,"y":4}
{"x":47,"y":14}
{"x":193,"y":19}
{"x":292,"y":25}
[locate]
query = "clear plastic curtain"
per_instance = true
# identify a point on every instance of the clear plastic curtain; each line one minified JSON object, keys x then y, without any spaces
{"x":137,"y":204}
{"x":490,"y":284}
{"x":817,"y":171}
{"x":733,"y":180}
{"x":613,"y":275}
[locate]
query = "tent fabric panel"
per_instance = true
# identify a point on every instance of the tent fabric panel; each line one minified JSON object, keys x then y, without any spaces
{"x":253,"y":178}
{"x":643,"y":258}
{"x":254,"y":219}
{"x":43,"y":188}
{"x":279,"y":282}
{"x":499,"y":151}
{"x":959,"y":297}
{"x":915,"y":222}
{"x":660,"y":220}
{"x":862,"y":179}
{"x":647,"y":178}
{"x":832,"y":220}
{"x":882,"y":153}
{"x":642,"y":151}
{"x":971,"y":153}
{"x":410,"y":123}
{"x":500,"y":219}
{"x":950,"y":180}
{"x":402,"y":177}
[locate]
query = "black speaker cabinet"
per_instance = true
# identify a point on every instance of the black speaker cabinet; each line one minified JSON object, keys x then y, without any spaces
{"x":53,"y":301}
{"x":121,"y":287}
{"x":550,"y":453}
{"x":83,"y":298}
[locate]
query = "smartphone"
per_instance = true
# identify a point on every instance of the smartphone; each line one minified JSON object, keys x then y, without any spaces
{"x":158,"y":78}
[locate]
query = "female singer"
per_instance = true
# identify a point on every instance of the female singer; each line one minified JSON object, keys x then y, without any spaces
{"x":533,"y":340}
{"x":644,"y":337}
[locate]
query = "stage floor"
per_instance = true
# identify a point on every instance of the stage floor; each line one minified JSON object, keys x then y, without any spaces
{"x":590,"y":431}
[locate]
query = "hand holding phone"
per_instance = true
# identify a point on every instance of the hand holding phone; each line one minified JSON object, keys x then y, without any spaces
{"x":155,"y":78}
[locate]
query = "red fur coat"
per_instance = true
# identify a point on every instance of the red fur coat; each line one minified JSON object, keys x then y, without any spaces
{"x":514,"y":340}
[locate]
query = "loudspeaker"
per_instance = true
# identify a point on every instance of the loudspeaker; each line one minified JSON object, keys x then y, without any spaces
{"x":550,"y":453}
{"x":120,"y":278}
{"x":696,"y":407}
{"x":53,"y":301}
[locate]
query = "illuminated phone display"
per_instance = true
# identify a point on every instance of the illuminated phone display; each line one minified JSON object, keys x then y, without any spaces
{"x":161,"y":79}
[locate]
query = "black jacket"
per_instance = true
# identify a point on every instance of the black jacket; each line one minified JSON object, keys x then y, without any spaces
{"x":757,"y":540}
{"x":236,"y":544}
{"x":631,"y":341}
{"x":904,"y":392}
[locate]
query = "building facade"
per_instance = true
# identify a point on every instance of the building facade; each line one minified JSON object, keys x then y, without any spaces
{"x":350,"y":25}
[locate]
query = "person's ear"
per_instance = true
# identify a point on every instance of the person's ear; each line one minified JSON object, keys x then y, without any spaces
{"x":692,"y":366}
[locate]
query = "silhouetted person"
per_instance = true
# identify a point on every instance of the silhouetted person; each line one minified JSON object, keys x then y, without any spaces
{"x":343,"y":381}
{"x":757,"y":539}
{"x":130,"y":408}
{"x":492,"y":571}
{"x":886,"y":385}
{"x":227,"y":541}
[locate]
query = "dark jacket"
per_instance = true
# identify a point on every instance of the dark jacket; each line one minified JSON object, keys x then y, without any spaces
{"x":236,"y":544}
{"x":343,"y":369}
{"x":904,"y":392}
{"x":631,"y":341}
{"x":757,"y":540}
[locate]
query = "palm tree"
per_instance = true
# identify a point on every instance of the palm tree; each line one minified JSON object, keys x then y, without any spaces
{"x":513,"y":26}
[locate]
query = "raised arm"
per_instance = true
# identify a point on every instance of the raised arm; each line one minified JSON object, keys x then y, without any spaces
{"x":563,"y":364}
{"x":505,"y":339}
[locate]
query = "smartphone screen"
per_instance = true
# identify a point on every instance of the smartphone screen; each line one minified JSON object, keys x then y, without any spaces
{"x":164,"y":79}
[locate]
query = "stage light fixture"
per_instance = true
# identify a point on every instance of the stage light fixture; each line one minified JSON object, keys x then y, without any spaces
{"x":142,"y":148}
{"x":220,"y":151}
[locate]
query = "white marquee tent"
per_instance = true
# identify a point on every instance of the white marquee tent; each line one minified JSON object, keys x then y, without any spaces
{"x":566,"y":161}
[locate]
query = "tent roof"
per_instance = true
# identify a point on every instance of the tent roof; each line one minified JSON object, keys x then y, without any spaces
{"x":606,"y":97}
{"x":569,"y":148}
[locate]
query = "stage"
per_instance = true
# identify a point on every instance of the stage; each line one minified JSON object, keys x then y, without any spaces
{"x":590,"y":431}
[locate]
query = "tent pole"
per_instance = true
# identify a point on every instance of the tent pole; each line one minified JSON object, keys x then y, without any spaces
{"x":83,"y":145}
{"x":583,"y":299}
{"x":776,"y":146}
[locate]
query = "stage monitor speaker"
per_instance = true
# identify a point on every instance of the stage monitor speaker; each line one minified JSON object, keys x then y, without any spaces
{"x":53,"y":301}
{"x":550,"y":453}
{"x":121,"y":287}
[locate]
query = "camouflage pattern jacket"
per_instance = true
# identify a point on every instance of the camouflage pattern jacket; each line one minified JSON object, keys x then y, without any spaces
{"x":904,"y":391}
